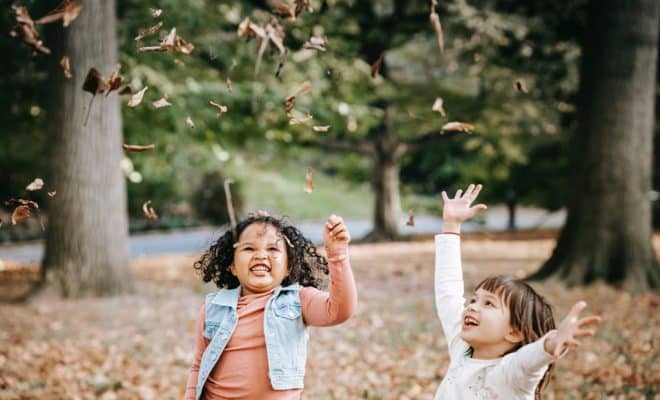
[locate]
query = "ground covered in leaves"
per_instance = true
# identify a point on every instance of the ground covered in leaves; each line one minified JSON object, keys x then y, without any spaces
{"x":140,"y":346}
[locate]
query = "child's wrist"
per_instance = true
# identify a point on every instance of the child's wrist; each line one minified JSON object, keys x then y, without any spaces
{"x":451,"y":227}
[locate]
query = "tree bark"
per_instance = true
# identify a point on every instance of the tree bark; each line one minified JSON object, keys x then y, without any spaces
{"x":87,"y":236}
{"x":607,"y":235}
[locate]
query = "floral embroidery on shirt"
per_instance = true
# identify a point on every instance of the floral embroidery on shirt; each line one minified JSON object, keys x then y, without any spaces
{"x":478,"y":387}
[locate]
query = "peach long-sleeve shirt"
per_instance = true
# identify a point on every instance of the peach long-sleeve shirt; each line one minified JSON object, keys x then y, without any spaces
{"x":242,"y":370}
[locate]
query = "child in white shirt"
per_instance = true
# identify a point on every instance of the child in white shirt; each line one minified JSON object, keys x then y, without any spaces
{"x":503,"y":343}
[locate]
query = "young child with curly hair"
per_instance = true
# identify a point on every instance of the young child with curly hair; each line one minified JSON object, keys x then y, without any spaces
{"x":503,"y":344}
{"x":252,"y":333}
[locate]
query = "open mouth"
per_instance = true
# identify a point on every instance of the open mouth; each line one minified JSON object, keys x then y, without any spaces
{"x":260,"y":268}
{"x":470,"y":321}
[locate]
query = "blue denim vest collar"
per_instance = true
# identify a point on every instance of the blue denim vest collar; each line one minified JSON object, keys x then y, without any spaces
{"x":284,"y":330}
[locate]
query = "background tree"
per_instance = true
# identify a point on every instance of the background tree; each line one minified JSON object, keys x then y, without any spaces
{"x":87,"y":237}
{"x":608,"y":229}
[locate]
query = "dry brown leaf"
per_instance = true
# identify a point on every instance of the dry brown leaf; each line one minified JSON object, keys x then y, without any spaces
{"x":162,"y":102}
{"x":52,"y":193}
{"x":137,"y":97}
{"x":179,"y":62}
{"x":36,"y":184}
{"x":190,"y":122}
{"x":287,"y":11}
{"x":411,"y":218}
{"x":138,"y":148}
{"x":126,"y":90}
{"x":66,"y":67}
{"x":457,"y":127}
{"x":309,"y":183}
{"x":149,"y":31}
{"x":20,"y":213}
{"x":438,"y":106}
{"x":155,"y":12}
{"x":437,"y":28}
{"x":290,"y":101}
{"x":171,"y":42}
{"x":67,"y":11}
{"x":114,"y":80}
{"x":316,"y":43}
{"x":149,"y":212}
{"x":302,"y":120}
{"x":218,"y":106}
{"x":25,"y":30}
{"x":375,"y":67}
{"x":321,"y":128}
{"x":520,"y":86}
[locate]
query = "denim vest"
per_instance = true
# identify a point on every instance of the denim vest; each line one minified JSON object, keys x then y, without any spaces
{"x":286,"y":335}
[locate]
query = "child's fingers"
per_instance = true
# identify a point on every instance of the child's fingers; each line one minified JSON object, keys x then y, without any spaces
{"x":479,"y":208}
{"x":584,"y":332}
{"x":468,"y":191}
{"x":333,"y":221}
{"x":342,"y":236}
{"x":476,"y":191}
{"x":590,"y":320}
{"x":445,"y":198}
{"x":577,"y":309}
{"x":458,"y":194}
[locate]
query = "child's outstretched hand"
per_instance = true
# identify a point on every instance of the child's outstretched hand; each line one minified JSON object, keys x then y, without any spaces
{"x":458,"y":210}
{"x":571,"y":328}
{"x":335,"y":233}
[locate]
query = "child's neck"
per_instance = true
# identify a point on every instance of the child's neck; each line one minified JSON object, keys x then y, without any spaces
{"x":490,"y":351}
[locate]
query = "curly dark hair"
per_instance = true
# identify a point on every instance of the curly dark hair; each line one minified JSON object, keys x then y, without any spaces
{"x":306,"y":266}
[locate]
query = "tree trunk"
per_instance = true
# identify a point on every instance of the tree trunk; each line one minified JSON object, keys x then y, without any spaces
{"x":608,"y":228}
{"x":385,"y":181}
{"x":87,"y":237}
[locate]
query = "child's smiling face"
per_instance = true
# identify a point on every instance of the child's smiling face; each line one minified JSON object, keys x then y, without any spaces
{"x":487,"y":325}
{"x":260,"y":258}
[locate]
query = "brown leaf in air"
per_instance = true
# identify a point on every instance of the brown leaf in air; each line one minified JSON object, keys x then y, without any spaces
{"x":137,"y":97}
{"x":22,"y":202}
{"x":66,"y":67}
{"x":520,"y":86}
{"x":149,"y":31}
{"x":438,"y":106}
{"x":411,"y":218}
{"x":162,"y":102}
{"x":457,"y":127}
{"x":36,"y":184}
{"x":52,"y":194}
{"x":114,"y":80}
{"x":190,"y":122}
{"x":220,"y":107}
{"x":375,"y":67}
{"x":437,"y":28}
{"x":291,"y":99}
{"x":287,"y":11}
{"x":149,"y":212}
{"x":321,"y":128}
{"x":316,"y":43}
{"x":155,"y":12}
{"x":20,"y":213}
{"x":138,"y":148}
{"x":67,"y":11}
{"x":171,"y":42}
{"x":302,"y":120}
{"x":309,"y":183}
{"x":126,"y":90}
{"x":25,"y":30}
{"x":94,"y":82}
{"x":230,"y":87}
{"x":179,"y":62}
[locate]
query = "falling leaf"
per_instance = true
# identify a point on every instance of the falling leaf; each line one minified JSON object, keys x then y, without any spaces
{"x":291,"y":99}
{"x":162,"y":102}
{"x":137,"y":97}
{"x":316,"y":43}
{"x":280,"y":65}
{"x":179,"y":62}
{"x":149,"y":212}
{"x":138,"y":148}
{"x":520,"y":86}
{"x":52,"y":194}
{"x":220,"y":107}
{"x":25,"y":30}
{"x":411,"y":218}
{"x":149,"y":31}
{"x":66,"y":67}
{"x":303,"y":120}
{"x":20,"y":213}
{"x":309,"y":183}
{"x":114,"y":80}
{"x":94,"y":82}
{"x":457,"y":127}
{"x":36,"y":184}
{"x":22,"y":202}
{"x":126,"y":90}
{"x":171,"y":42}
{"x":287,"y":11}
{"x":437,"y":28}
{"x":438,"y":106}
{"x":229,"y":85}
{"x":321,"y":128}
{"x":155,"y":12}
{"x":67,"y":11}
{"x":375,"y":67}
{"x":190,"y":122}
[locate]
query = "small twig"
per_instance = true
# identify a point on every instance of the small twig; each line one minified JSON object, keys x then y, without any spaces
{"x":230,"y":207}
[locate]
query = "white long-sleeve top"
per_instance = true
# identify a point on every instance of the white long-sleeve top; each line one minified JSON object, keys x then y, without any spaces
{"x":512,"y":377}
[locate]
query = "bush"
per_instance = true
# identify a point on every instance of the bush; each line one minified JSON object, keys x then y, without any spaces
{"x":210,"y":202}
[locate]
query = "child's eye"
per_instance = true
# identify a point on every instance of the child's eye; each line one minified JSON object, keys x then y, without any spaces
{"x":490,"y":303}
{"x":273,"y":249}
{"x":473,"y":300}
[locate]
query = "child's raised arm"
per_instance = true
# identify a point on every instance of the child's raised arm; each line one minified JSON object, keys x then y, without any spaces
{"x":571,"y":328}
{"x":449,"y":298}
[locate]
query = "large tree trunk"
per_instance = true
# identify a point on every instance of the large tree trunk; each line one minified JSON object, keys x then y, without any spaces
{"x":385,"y":181}
{"x":608,"y":229}
{"x":87,"y":238}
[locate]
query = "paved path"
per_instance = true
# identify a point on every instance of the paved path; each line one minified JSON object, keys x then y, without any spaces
{"x":197,"y":240}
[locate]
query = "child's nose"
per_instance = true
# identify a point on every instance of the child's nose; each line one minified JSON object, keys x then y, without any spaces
{"x":472,"y":306}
